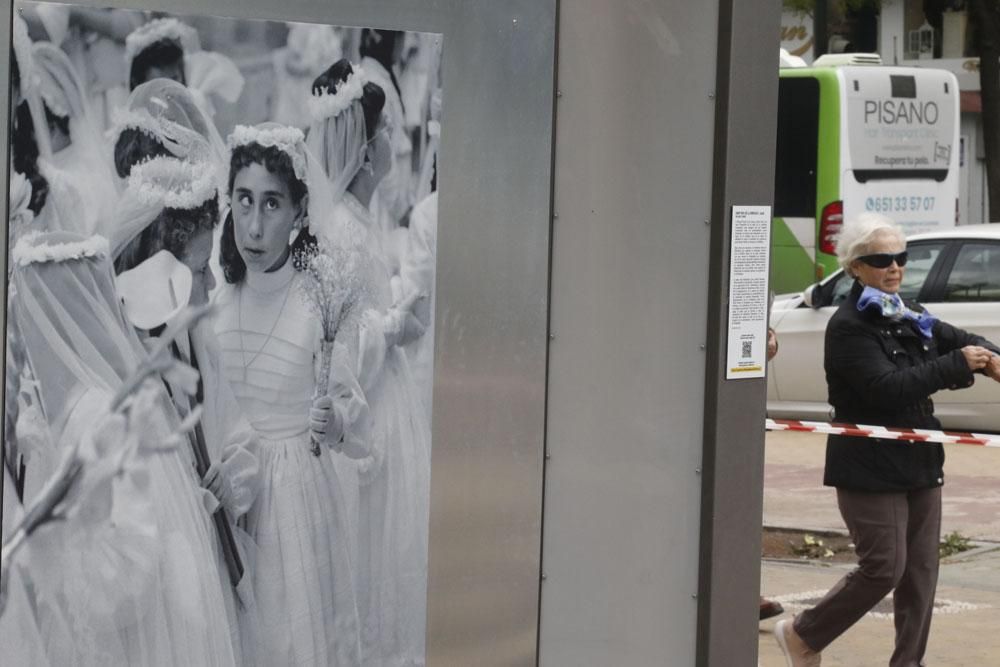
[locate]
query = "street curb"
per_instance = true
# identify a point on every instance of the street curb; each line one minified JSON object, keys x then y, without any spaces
{"x":979,"y":549}
{"x":822,"y":532}
{"x":810,"y":562}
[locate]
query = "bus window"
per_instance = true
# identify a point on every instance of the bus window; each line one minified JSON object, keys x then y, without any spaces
{"x":798,"y":129}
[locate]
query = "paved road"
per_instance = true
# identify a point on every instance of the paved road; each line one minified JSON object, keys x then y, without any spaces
{"x":794,"y":494}
{"x":966,"y":628}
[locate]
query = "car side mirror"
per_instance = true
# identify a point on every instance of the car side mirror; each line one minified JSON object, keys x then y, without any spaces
{"x":810,"y":296}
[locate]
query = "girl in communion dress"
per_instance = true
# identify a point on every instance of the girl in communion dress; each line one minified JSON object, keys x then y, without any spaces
{"x":172,"y":205}
{"x":351,"y":134}
{"x":272,"y":342}
{"x":150,"y":593}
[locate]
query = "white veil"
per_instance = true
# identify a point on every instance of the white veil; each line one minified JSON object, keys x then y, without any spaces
{"x":149,"y":33}
{"x":337,"y":135}
{"x":74,"y":333}
{"x":207,"y":73}
{"x":29,"y":84}
{"x":132,"y":576}
{"x":85,"y":570}
{"x":85,"y":162}
{"x":167,"y":111}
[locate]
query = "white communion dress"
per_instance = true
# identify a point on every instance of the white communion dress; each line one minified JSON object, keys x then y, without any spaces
{"x":395,"y":480}
{"x":232,"y":445}
{"x":143,"y":589}
{"x":133,"y":572}
{"x":303,"y":578}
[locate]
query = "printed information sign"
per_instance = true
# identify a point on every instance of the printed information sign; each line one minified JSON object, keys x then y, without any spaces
{"x":748,"y":295}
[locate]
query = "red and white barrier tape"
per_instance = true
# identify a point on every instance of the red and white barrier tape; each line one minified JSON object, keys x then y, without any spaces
{"x":886,"y":433}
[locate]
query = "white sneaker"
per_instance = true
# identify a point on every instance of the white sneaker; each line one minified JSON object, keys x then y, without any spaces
{"x":797,"y":653}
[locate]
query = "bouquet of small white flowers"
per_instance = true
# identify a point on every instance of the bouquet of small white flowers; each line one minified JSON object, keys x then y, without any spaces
{"x":330,"y":290}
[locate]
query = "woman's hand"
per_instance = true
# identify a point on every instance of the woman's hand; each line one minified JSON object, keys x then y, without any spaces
{"x":325,"y":423}
{"x":976,"y":357}
{"x":992,"y":369}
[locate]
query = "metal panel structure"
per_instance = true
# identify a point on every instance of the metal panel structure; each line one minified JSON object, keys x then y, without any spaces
{"x":492,"y":281}
{"x":630,"y":273}
{"x":642,"y":429}
{"x":732,"y":498}
{"x":651,"y":461}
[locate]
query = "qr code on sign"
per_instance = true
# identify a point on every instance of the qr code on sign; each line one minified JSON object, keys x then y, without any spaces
{"x":747,"y":349}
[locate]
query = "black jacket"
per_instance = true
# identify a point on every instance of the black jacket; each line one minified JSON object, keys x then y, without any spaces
{"x":883,"y":372}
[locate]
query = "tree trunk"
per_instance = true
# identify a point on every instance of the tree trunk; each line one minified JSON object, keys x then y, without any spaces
{"x":821,"y":17}
{"x":985,"y":16}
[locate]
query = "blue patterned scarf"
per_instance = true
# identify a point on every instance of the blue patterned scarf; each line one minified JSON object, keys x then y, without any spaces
{"x":892,"y":306}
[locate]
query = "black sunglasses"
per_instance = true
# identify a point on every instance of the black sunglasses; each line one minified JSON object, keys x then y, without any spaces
{"x":884,"y":260}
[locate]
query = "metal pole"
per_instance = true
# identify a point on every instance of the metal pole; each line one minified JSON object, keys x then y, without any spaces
{"x":733,"y":456}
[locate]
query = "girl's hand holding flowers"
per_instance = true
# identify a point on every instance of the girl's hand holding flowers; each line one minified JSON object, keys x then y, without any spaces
{"x":325,"y":422}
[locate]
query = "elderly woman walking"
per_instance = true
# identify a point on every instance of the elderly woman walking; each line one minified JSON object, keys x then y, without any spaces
{"x":884,"y":358}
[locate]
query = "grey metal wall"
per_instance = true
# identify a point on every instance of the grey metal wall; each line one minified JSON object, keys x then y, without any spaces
{"x":633,"y":192}
{"x":653,"y":473}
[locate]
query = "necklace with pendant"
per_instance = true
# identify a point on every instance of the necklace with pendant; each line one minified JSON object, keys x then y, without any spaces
{"x":270,"y":333}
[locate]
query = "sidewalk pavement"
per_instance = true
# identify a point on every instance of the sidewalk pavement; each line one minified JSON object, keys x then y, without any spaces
{"x":966,"y":626}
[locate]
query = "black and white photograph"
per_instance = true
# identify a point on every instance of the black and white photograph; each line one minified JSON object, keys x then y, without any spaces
{"x":219,"y":347}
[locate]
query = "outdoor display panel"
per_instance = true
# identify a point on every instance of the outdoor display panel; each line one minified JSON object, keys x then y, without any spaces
{"x":426,"y":326}
{"x":390,"y":266}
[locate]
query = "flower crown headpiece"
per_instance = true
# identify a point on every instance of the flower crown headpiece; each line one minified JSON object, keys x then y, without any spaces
{"x":29,"y":251}
{"x":324,"y":104}
{"x":123,"y":119}
{"x":157,"y":29}
{"x":22,"y":52}
{"x":173,"y":183}
{"x":289,"y":140}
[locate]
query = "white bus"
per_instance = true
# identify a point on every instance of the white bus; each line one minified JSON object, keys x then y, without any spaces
{"x":854,"y":138}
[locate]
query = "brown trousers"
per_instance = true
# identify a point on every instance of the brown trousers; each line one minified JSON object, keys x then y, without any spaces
{"x":896,"y":538}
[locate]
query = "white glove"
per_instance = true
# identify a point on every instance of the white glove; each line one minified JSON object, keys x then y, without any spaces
{"x":326,"y":422}
{"x":218,"y":482}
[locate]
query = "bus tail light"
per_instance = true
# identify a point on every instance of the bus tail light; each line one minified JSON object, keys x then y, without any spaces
{"x":956,"y":211}
{"x":830,"y":223}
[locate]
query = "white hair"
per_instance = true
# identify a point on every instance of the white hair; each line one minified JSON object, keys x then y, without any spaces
{"x":857,"y":234}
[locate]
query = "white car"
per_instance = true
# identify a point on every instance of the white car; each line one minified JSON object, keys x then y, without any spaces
{"x":954,"y":273}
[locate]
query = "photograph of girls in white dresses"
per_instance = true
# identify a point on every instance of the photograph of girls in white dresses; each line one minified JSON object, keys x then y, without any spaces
{"x":219,"y":344}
